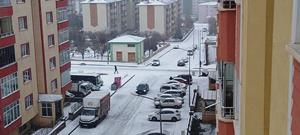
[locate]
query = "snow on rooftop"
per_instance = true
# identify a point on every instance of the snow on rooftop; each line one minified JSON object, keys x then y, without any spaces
{"x":49,"y":97}
{"x":212,"y":3}
{"x":156,"y":2}
{"x":99,"y":1}
{"x":127,"y":39}
{"x":98,"y":94}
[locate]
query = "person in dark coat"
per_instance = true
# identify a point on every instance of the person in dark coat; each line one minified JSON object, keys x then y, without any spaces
{"x":116,"y":70}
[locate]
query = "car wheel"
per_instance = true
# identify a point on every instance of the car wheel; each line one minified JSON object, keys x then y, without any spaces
{"x":154,"y":119}
{"x":177,"y":107}
{"x":174,"y":119}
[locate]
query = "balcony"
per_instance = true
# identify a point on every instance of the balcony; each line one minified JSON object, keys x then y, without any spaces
{"x":227,"y":112}
{"x":5,"y":3}
{"x":226,"y":4}
{"x":5,"y":8}
{"x":61,"y":3}
{"x":6,"y":32}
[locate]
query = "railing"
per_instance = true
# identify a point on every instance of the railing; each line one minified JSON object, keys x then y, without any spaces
{"x":6,"y":34}
{"x":227,"y":112}
{"x":4,"y":3}
{"x":227,"y":4}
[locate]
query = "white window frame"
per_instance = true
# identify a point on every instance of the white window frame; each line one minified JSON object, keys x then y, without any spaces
{"x":8,"y":84}
{"x":25,"y":50}
{"x":296,"y":23}
{"x":28,"y":101}
{"x":20,"y":1}
{"x":27,"y":75}
{"x":23,"y":24}
{"x":64,"y":57}
{"x":54,"y":85}
{"x":62,"y":14}
{"x":63,"y":35}
{"x":52,"y":63}
{"x":65,"y":77}
{"x":46,"y":107}
{"x":49,"y":17}
{"x":11,"y":113}
{"x":51,"y":40}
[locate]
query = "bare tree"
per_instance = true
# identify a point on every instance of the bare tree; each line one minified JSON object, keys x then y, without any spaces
{"x":79,"y":42}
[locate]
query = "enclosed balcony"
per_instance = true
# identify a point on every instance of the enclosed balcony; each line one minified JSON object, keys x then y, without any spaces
{"x":7,"y":37}
{"x":5,"y":3}
{"x":5,"y":8}
{"x":226,"y":4}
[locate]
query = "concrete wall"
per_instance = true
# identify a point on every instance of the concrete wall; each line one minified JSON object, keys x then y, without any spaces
{"x":124,"y":49}
{"x":143,"y":18}
{"x":160,"y":19}
{"x":102,"y":18}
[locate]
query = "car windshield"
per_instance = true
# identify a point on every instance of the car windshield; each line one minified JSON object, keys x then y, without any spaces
{"x":155,"y":60}
{"x":88,"y":112}
{"x":141,"y":87}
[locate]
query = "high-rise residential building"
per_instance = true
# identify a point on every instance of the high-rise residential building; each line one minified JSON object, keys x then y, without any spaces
{"x":34,"y":63}
{"x":187,"y":7}
{"x":258,"y":67}
{"x":104,"y":15}
{"x":159,"y":15}
{"x":133,"y":14}
{"x":206,"y":10}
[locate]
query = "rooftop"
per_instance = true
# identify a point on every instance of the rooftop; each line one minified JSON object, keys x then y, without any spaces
{"x":156,"y":2}
{"x":209,"y":3}
{"x":127,"y":39}
{"x":99,"y":1}
{"x":49,"y":97}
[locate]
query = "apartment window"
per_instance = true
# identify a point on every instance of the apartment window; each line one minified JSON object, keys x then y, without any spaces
{"x":54,"y":85}
{"x":65,"y":77}
{"x":63,"y":36}
{"x":28,"y":101}
{"x":46,"y":109}
{"x":5,"y":3}
{"x":62,"y":14}
{"x":11,"y":113}
{"x":130,"y":45}
{"x":7,"y":56}
{"x":22,"y":23}
{"x":64,"y":56}
{"x":52,"y":63}
{"x":27,"y":75}
{"x":296,"y":23}
{"x":49,"y":17}
{"x":8,"y":84}
{"x":6,"y":26}
{"x":25,"y":49}
{"x":20,"y":1}
{"x":51,"y":40}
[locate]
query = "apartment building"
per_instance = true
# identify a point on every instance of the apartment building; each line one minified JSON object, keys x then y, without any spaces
{"x":133,"y":14}
{"x":34,"y":63}
{"x":258,"y":67}
{"x":104,"y":15}
{"x":206,"y":10}
{"x":159,"y":15}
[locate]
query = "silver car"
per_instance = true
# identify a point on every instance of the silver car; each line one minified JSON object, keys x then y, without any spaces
{"x":166,"y":114}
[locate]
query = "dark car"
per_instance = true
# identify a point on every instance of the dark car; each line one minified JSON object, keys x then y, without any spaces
{"x":142,"y":88}
{"x":155,"y":63}
{"x":187,"y":77}
{"x":179,"y":79}
{"x":180,"y":63}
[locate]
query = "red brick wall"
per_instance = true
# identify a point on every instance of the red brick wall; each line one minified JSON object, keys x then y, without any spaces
{"x":296,"y":100}
{"x":150,"y":17}
{"x":93,"y":14}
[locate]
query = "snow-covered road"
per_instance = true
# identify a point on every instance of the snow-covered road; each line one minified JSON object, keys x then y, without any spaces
{"x":128,"y":113}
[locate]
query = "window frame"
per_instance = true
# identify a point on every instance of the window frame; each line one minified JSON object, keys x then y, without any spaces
{"x":11,"y":113}
{"x":9,"y":85}
{"x":25,"y":49}
{"x":27,"y":77}
{"x":45,"y":106}
{"x":23,"y":26}
{"x":52,"y":63}
{"x":28,"y":101}
{"x":49,"y":20}
{"x":53,"y":85}
{"x":20,"y":1}
{"x":51,"y":39}
{"x":296,"y":23}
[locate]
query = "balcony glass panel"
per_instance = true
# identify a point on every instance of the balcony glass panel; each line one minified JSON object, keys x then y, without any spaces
{"x":6,"y":27}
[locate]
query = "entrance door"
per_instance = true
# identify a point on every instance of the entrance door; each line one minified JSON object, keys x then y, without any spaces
{"x":119,"y":56}
{"x":58,"y":110}
{"x":131,"y":57}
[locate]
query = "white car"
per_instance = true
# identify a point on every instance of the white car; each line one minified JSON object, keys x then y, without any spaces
{"x":165,"y":87}
{"x":164,"y":96}
{"x":166,"y":114}
{"x":168,"y":102}
{"x":176,"y":83}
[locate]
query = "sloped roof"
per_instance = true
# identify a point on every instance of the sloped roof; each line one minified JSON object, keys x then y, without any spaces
{"x":127,"y":39}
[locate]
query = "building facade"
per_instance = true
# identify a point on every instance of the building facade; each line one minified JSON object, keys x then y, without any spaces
{"x":104,"y":15}
{"x":206,"y":10}
{"x":258,"y":67}
{"x":160,"y":16}
{"x":127,"y":48}
{"x":33,"y":34}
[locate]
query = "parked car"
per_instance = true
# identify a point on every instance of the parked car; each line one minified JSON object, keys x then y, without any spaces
{"x":168,"y":102}
{"x":166,"y":114}
{"x":142,"y":88}
{"x":164,"y":96}
{"x":177,"y":83}
{"x":180,"y":63}
{"x":155,"y":62}
{"x":187,"y":77}
{"x":179,"y":79}
{"x":185,"y":60}
{"x":165,"y":87}
{"x":175,"y":93}
{"x":69,"y":97}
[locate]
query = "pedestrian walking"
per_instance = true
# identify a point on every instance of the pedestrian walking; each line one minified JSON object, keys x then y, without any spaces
{"x":116,"y":70}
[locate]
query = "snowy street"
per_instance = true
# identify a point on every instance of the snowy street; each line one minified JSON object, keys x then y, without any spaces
{"x":128,"y":113}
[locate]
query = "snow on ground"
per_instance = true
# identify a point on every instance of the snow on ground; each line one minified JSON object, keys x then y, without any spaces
{"x":128,"y":113}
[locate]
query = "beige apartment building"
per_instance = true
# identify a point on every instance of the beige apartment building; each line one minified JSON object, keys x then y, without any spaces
{"x":104,"y":15}
{"x":159,"y":15}
{"x":34,"y":63}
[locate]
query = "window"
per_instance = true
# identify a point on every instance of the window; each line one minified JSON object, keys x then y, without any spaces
{"x":22,"y":23}
{"x":51,"y":40}
{"x":8,"y":84}
{"x":11,"y":113}
{"x":6,"y":26}
{"x":7,"y":56}
{"x":62,"y":14}
{"x":28,"y":101}
{"x":296,"y":23}
{"x":26,"y":75}
{"x":64,"y":56}
{"x":52,"y":63}
{"x":65,"y":77}
{"x":130,"y":45}
{"x":53,"y":85}
{"x":63,"y":36}
{"x":25,"y":49}
{"x":20,"y":1}
{"x":49,"y":17}
{"x":46,"y":109}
